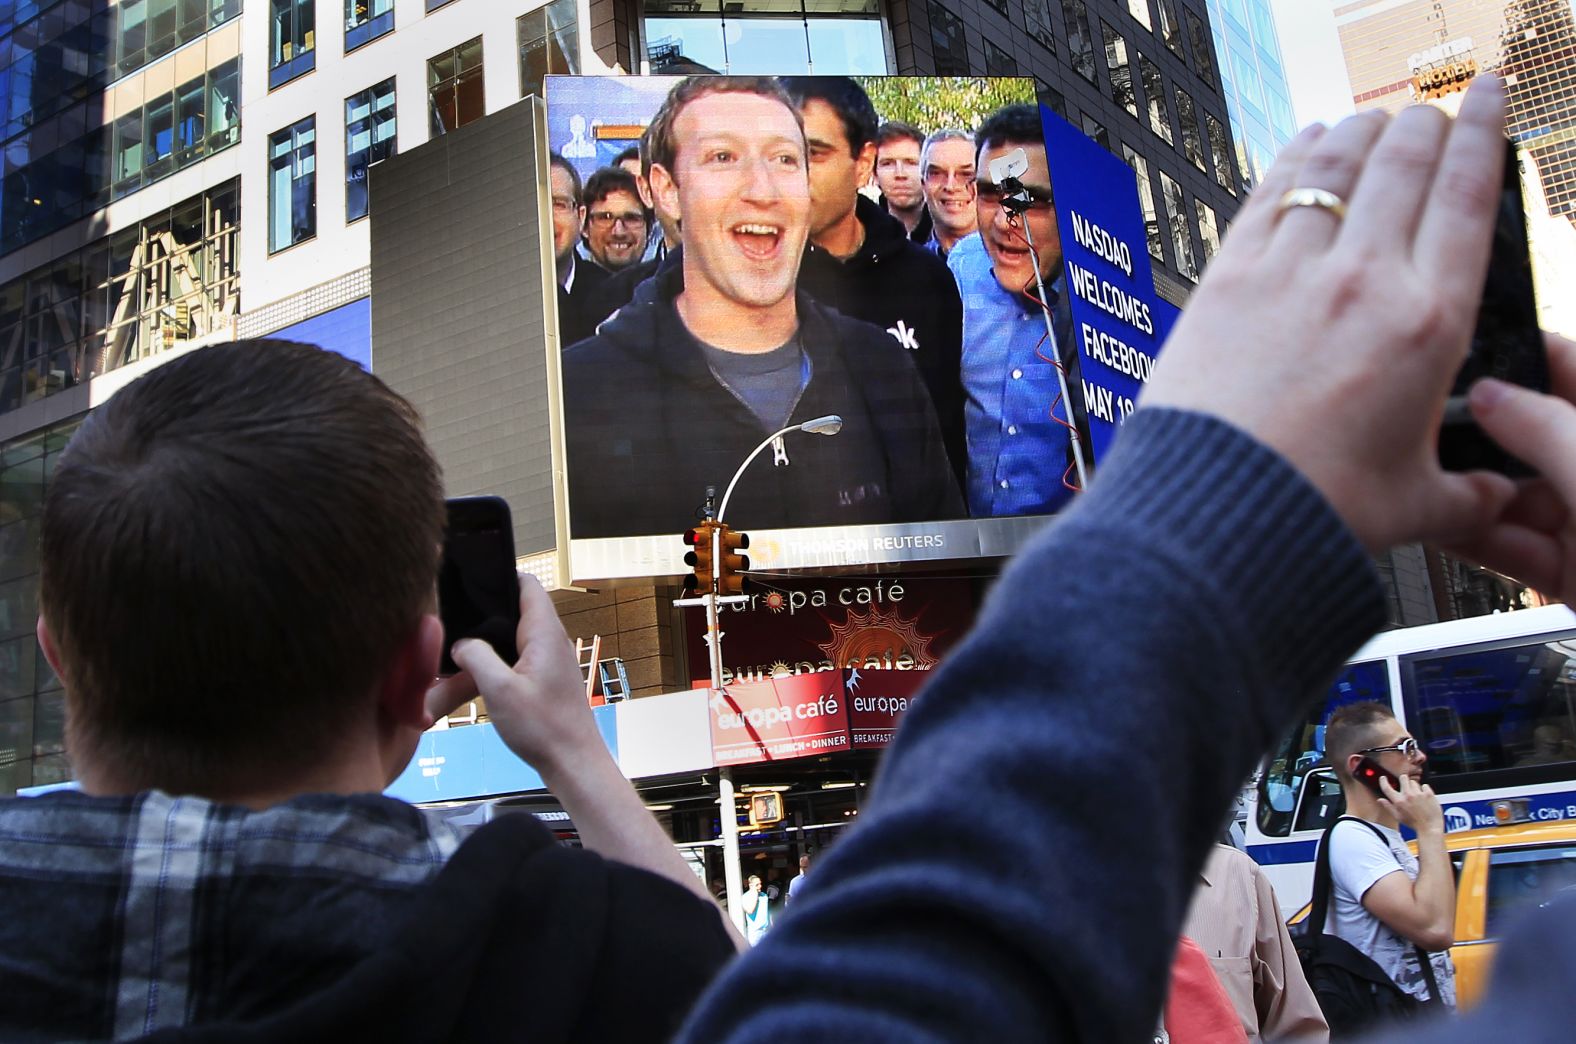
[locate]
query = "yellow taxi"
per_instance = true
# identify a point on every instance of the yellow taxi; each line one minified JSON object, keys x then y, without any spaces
{"x":1501,"y":872}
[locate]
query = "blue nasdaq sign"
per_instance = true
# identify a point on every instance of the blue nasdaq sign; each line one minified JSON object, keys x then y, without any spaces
{"x":1118,"y":321}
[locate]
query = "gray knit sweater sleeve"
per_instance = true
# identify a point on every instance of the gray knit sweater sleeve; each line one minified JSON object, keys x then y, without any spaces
{"x":1023,"y":867}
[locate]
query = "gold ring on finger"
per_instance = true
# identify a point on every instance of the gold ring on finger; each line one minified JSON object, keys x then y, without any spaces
{"x":1314,"y":197}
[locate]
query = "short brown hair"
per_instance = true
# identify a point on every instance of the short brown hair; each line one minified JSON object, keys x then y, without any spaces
{"x":1352,"y":728}
{"x":897,"y":130}
{"x":658,"y":147}
{"x":233,"y":547}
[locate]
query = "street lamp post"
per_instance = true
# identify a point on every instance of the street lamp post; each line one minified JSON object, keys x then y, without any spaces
{"x":727,"y":814}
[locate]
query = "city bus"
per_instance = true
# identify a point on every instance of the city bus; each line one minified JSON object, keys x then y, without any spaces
{"x":1492,"y":702}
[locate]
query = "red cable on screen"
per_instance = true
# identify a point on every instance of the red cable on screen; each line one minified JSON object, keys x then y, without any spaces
{"x":1039,"y":352}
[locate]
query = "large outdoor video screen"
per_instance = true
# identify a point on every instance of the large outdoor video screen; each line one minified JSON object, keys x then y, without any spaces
{"x":737,"y":256}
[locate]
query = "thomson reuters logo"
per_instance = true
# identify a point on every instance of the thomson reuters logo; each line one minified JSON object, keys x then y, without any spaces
{"x":1457,"y":818}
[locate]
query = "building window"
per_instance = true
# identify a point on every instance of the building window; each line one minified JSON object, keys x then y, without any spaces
{"x":454,"y":88}
{"x":1050,"y":97}
{"x":1121,"y":71}
{"x":127,"y":36}
{"x":1096,"y":131}
{"x":1037,"y":20}
{"x":999,"y":62}
{"x":148,"y":287}
{"x":1187,"y":119}
{"x":366,"y":20}
{"x":1155,"y":94}
{"x":369,"y":137}
{"x":1170,"y":27}
{"x":999,"y":6}
{"x":171,"y":131}
{"x":1139,"y":9}
{"x":549,"y":43}
{"x":832,"y":37}
{"x":292,"y":40}
{"x":947,"y":42}
{"x":1220,"y":152}
{"x":1146,"y":200}
{"x":292,"y":185}
{"x":1208,"y":230}
{"x":1181,"y":235}
{"x":1080,"y":42}
{"x":1203,"y":48}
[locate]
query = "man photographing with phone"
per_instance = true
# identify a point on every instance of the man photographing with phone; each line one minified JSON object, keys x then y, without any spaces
{"x":1385,"y":901}
{"x":239,"y":566}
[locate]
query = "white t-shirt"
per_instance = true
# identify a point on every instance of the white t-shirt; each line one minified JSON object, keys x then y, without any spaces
{"x":756,"y":924}
{"x":1358,"y":860}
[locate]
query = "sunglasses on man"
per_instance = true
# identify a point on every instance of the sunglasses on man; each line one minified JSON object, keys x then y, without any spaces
{"x":1039,"y":198}
{"x":1407,"y":747}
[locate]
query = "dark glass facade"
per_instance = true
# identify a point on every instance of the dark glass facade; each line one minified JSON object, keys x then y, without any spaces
{"x":167,"y":280}
{"x":32,"y":703}
{"x":63,"y":157}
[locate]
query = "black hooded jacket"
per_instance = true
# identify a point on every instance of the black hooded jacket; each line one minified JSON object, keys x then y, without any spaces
{"x":908,"y":292}
{"x":649,"y":426}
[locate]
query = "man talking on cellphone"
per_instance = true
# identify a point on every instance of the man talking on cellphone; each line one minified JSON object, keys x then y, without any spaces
{"x":239,"y":558}
{"x":1388,"y":903}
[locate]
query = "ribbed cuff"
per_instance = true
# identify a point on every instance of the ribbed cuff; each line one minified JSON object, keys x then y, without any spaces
{"x":1301,"y":591}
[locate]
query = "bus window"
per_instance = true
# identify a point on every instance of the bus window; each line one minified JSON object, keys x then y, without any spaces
{"x":1492,"y":708}
{"x":1322,"y":802}
{"x":1303,"y":748}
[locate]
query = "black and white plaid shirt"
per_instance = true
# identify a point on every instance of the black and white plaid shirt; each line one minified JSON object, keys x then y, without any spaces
{"x":122,"y":916}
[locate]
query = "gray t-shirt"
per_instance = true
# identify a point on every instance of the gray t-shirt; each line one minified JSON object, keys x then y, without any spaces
{"x":768,"y":383}
{"x":1358,"y":861}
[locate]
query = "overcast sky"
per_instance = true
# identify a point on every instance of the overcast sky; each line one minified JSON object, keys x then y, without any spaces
{"x":1315,"y":70}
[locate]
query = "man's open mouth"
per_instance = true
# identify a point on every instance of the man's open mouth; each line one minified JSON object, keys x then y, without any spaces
{"x":757,"y":241}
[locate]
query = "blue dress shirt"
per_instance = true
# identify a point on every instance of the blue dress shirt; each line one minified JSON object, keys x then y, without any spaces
{"x":1017,"y":452}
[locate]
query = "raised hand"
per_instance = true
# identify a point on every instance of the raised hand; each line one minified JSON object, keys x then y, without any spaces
{"x":1335,"y":339}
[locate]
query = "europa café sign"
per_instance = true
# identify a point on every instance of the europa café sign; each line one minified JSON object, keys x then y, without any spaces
{"x":805,"y":715}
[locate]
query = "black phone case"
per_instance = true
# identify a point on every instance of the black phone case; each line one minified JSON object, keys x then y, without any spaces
{"x":1506,"y":342}
{"x":478,"y":588}
{"x":1370,"y":772}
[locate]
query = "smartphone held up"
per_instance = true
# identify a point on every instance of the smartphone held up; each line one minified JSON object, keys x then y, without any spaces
{"x":478,"y":588}
{"x":1506,"y":342}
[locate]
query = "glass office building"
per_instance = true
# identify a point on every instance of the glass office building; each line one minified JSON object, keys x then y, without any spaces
{"x":1253,"y":78}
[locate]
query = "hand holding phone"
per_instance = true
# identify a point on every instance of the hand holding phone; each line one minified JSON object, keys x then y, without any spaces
{"x":478,"y":587}
{"x":1506,"y":341}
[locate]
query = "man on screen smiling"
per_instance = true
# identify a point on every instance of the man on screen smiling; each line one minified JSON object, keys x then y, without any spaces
{"x":1018,"y":452}
{"x":673,"y":393}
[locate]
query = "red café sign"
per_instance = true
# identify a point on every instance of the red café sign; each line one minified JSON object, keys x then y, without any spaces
{"x":795,"y":716}
{"x":808,"y":625}
{"x":804,"y":715}
{"x":877,"y":701}
{"x":820,"y":665}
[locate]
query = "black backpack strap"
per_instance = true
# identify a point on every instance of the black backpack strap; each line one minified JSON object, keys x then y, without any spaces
{"x":1435,"y":999}
{"x":1321,"y":887}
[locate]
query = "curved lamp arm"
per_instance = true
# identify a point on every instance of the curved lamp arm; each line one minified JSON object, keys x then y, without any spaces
{"x":828,"y":425}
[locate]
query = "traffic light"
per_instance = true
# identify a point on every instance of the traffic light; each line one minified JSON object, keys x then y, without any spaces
{"x":732,"y":563}
{"x":701,"y":580}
